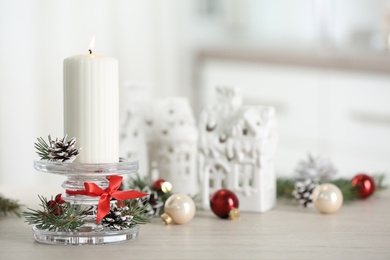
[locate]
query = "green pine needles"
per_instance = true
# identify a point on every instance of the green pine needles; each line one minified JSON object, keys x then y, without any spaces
{"x":59,"y":150}
{"x":60,"y":218}
{"x":67,"y":217}
{"x":140,"y":184}
{"x":285,"y":186}
{"x":136,"y":209}
{"x":42,"y":148}
{"x":9,"y":207}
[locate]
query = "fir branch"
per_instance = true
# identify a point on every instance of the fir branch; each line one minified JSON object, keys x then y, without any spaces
{"x":379,"y":180}
{"x":138,"y":183}
{"x":136,"y":209}
{"x":57,"y":150}
{"x":9,"y":206}
{"x":349,"y":192}
{"x":285,"y":186}
{"x":43,"y":148}
{"x":141,"y":184}
{"x":153,"y":203}
{"x":70,"y":219}
{"x":127,"y":215}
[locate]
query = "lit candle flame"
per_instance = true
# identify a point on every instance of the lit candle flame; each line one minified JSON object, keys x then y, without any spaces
{"x":91,"y":45}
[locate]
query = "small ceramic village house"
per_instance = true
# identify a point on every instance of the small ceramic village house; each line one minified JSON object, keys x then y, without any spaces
{"x":237,"y":146}
{"x":172,"y":144}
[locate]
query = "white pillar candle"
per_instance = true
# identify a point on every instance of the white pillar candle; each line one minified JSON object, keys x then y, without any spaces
{"x":91,"y":106}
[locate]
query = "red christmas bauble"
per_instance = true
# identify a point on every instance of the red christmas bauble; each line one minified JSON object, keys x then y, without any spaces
{"x":162,"y":185}
{"x":223,"y":202}
{"x":59,"y":199}
{"x":365,"y":185}
{"x":54,"y":207}
{"x":51,"y":204}
{"x":157,"y":184}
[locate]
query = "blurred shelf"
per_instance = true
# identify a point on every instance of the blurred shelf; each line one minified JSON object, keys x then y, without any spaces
{"x":347,"y":60}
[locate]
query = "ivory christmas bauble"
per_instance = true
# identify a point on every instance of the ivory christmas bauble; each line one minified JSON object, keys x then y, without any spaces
{"x":179,"y":208}
{"x":327,"y":198}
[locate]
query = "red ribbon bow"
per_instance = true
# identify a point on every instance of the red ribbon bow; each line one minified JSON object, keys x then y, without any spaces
{"x":93,"y":190}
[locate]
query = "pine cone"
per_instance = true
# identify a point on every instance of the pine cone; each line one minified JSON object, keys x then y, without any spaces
{"x":316,"y":168}
{"x":153,"y":203}
{"x":303,"y":192}
{"x":60,"y":150}
{"x":116,"y":220}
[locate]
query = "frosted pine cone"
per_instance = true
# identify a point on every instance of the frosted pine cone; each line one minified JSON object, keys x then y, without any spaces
{"x":57,"y":150}
{"x":303,"y":192}
{"x":153,"y":203}
{"x":316,"y":168}
{"x":116,"y":219}
{"x":63,"y":151}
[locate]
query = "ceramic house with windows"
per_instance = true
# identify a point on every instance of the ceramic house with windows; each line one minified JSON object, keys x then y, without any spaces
{"x":172,"y":144}
{"x":237,"y":146}
{"x":132,"y":133}
{"x":133,"y":141}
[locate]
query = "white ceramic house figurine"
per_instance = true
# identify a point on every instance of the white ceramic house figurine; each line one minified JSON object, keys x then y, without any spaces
{"x":172,"y":144}
{"x":237,"y":146}
{"x":132,"y":138}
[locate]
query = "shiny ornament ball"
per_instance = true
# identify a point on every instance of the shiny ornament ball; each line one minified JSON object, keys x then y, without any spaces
{"x":327,"y":198}
{"x":365,"y":185}
{"x":54,"y":207}
{"x":162,"y":185}
{"x":59,"y":199}
{"x":224,"y":203}
{"x":179,"y":209}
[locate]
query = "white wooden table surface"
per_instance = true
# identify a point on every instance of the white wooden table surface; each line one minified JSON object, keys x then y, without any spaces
{"x":360,"y":230}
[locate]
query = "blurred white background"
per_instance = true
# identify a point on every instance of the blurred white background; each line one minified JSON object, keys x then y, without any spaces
{"x":322,"y":63}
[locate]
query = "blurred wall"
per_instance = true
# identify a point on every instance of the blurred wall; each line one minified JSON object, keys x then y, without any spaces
{"x":335,"y":111}
{"x":294,"y":24}
{"x":36,"y":36}
{"x":155,"y":42}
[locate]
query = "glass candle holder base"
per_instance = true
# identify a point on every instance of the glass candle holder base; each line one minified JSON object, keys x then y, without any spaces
{"x":93,"y":237}
{"x":77,"y":175}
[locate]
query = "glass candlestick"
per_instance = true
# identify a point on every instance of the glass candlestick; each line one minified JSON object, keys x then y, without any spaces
{"x":77,"y":174}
